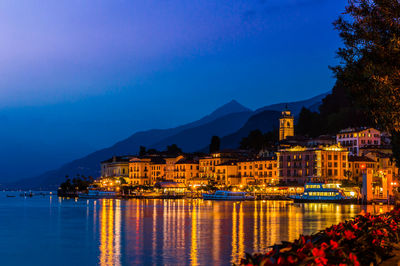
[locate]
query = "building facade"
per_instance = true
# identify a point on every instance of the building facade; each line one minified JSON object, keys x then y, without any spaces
{"x":301,"y":164}
{"x":355,"y":138}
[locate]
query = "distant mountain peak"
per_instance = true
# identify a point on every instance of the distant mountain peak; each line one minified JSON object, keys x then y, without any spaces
{"x":231,"y":107}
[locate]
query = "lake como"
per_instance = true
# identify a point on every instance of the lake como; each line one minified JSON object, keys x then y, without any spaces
{"x":47,"y":230}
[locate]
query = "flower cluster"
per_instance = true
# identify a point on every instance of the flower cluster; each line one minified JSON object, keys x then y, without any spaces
{"x":363,"y":240}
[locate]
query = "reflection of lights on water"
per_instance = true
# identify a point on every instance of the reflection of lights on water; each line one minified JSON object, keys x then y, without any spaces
{"x":110,"y":233}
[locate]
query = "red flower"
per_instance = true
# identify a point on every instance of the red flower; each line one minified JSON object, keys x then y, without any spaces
{"x":324,"y":246}
{"x":353,"y":258}
{"x":281,"y":260}
{"x":291,"y":259}
{"x":321,"y":261}
{"x":349,"y":235}
{"x":334,"y":244}
{"x":318,"y":252}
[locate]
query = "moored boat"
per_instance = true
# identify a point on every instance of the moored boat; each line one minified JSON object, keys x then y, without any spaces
{"x":323,"y":192}
{"x":227,"y":195}
{"x":98,"y":194}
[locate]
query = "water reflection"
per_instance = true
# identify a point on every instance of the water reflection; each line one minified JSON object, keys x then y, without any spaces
{"x":196,"y":232}
{"x":110,"y":232}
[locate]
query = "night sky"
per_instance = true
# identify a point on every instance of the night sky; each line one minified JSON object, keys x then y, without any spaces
{"x":119,"y":66}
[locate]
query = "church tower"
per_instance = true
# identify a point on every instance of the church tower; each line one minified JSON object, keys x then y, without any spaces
{"x":286,"y":124}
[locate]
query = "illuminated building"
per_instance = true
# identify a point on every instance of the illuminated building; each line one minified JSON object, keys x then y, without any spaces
{"x":186,"y":169}
{"x":208,"y":164}
{"x":140,"y":171}
{"x":301,"y":164}
{"x":355,"y":138}
{"x":227,"y":174}
{"x":170,"y":162}
{"x":358,"y":165}
{"x":258,"y":171}
{"x":286,"y":125}
{"x":116,"y":167}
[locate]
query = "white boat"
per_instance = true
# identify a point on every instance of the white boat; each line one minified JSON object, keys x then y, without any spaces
{"x":323,"y":192}
{"x":98,"y":194}
{"x":227,"y":195}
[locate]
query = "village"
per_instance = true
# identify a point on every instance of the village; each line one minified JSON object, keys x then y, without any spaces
{"x":357,"y":159}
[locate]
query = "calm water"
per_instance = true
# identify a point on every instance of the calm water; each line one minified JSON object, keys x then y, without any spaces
{"x":54,"y":231}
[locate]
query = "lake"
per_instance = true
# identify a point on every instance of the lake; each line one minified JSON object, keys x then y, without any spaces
{"x":47,"y":230}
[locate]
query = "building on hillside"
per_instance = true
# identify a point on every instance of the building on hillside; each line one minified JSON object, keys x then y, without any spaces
{"x":358,"y":165}
{"x":186,"y":169}
{"x":301,"y":164}
{"x":116,"y":167}
{"x":286,"y":125}
{"x":258,"y":171}
{"x":355,"y":138}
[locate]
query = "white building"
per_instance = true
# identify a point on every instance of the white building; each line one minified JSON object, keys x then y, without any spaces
{"x":355,"y":138}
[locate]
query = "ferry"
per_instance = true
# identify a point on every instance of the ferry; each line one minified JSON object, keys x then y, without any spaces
{"x":227,"y":195}
{"x":322,"y":192}
{"x":98,"y":194}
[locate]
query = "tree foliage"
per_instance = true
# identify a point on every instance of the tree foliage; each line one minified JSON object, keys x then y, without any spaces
{"x":215,"y":144}
{"x":370,"y":59}
{"x":257,"y":141}
{"x":173,"y":149}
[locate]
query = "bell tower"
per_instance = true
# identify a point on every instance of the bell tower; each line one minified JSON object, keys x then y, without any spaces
{"x":286,"y":124}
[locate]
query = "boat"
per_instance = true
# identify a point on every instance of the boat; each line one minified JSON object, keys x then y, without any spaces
{"x":227,"y":195}
{"x":98,"y":194}
{"x":323,"y":192}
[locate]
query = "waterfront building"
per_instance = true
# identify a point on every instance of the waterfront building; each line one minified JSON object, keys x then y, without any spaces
{"x":286,"y":125}
{"x":139,"y":171}
{"x":227,"y":174}
{"x":355,"y":138}
{"x":170,"y":162}
{"x":186,"y":169}
{"x":301,"y":164}
{"x":207,"y":164}
{"x":258,"y":171}
{"x":116,"y":167}
{"x":358,"y":165}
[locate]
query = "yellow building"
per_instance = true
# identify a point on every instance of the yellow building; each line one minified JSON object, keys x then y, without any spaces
{"x":170,"y":166}
{"x":226,"y":174}
{"x":186,"y":169}
{"x":258,"y":171}
{"x":140,"y":171}
{"x":115,"y":168}
{"x":286,"y":125}
{"x":207,"y":164}
{"x":359,"y":165}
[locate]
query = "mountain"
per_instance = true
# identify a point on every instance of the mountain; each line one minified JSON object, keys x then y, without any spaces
{"x":224,"y":120}
{"x":295,"y":107}
{"x":265,"y":121}
{"x":231,"y":122}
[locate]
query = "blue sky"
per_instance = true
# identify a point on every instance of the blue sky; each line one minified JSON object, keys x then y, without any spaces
{"x":108,"y":68}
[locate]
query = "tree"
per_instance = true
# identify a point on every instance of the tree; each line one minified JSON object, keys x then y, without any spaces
{"x":308,"y":123}
{"x":142,"y":151}
{"x":254,"y":141}
{"x":215,"y":144}
{"x":173,"y":149}
{"x":370,"y":60}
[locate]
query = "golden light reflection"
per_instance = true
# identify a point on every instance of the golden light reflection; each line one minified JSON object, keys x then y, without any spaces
{"x":193,"y":248}
{"x":110,"y":233}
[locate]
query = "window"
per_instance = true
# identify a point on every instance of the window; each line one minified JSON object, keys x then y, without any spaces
{"x":329,"y":157}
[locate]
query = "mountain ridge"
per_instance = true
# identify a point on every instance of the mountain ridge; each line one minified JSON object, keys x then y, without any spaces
{"x":231,"y":121}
